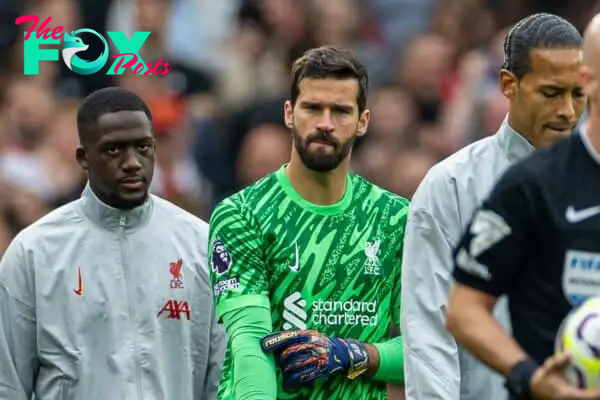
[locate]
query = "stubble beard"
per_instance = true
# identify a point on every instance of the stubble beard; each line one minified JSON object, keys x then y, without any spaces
{"x":320,"y":160}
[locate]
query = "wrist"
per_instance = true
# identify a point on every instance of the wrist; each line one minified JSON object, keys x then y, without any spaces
{"x":358,"y":356}
{"x":518,"y":380}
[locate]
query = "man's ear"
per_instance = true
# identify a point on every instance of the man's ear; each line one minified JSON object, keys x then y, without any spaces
{"x":588,"y":80}
{"x":363,"y":122}
{"x":81,"y":156}
{"x":508,"y":84}
{"x":288,"y":114}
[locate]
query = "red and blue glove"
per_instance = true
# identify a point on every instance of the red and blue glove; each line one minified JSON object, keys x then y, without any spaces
{"x":305,"y":356}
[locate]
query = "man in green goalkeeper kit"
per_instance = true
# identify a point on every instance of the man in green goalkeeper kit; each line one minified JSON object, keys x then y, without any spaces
{"x":305,"y":263}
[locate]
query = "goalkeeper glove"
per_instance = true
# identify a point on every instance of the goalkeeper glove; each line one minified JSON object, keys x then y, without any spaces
{"x":306,"y":355}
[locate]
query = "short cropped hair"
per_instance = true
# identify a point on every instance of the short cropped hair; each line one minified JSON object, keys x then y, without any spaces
{"x":330,"y":62}
{"x":537,"y":31}
{"x":105,"y":101}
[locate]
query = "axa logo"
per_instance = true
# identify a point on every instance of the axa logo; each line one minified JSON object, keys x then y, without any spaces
{"x":128,"y":56}
{"x":294,"y":314}
{"x":175,"y":308}
{"x":176,"y":274}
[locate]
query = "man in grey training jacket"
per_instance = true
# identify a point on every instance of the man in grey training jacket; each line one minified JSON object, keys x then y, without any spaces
{"x":108,"y":297}
{"x":540,"y":79}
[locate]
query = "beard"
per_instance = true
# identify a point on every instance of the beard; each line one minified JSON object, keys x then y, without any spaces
{"x":321,"y":160}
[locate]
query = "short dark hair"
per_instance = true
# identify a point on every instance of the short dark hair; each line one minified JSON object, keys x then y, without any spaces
{"x":105,"y":101}
{"x":330,"y":62}
{"x":537,"y":31}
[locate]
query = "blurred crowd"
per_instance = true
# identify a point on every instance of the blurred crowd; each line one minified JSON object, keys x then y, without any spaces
{"x":433,"y":68}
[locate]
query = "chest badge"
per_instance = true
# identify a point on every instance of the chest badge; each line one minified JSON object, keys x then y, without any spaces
{"x":176,"y":274}
{"x":371,"y":266}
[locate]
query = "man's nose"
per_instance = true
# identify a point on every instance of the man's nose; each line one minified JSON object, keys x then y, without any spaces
{"x":325,"y":122}
{"x":567,"y":109}
{"x":132,"y":160}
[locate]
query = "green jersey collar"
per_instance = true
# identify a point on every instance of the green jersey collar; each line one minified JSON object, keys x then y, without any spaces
{"x":330,"y":209}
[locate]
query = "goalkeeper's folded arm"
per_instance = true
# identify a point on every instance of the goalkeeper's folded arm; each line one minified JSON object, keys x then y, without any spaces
{"x":391,"y":361}
{"x":254,"y":371}
{"x":306,"y":355}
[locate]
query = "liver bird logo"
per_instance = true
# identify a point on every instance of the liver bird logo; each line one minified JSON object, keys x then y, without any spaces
{"x":175,"y":269}
{"x":371,"y":251}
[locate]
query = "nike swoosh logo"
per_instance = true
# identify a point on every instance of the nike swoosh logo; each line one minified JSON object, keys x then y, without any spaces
{"x":575,"y":216}
{"x":79,"y":290}
{"x":296,"y":266}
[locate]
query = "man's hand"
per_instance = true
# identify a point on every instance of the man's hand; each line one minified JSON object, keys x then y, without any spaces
{"x":305,"y":356}
{"x":548,"y":382}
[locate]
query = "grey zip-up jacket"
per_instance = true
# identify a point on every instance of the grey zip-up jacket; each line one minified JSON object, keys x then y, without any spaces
{"x":103,"y":304}
{"x":435,"y":368}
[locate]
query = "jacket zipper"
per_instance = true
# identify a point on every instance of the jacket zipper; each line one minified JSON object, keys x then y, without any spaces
{"x":122,"y":225}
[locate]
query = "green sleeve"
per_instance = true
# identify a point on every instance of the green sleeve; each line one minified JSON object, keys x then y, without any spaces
{"x":254,"y":371}
{"x":237,"y":270}
{"x":391,"y":352}
{"x":391,"y":361}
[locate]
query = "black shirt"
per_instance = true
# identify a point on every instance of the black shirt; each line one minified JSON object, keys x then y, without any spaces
{"x":537,"y":240}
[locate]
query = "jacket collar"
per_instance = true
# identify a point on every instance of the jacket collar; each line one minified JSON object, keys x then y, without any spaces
{"x":514,"y":145}
{"x":111,"y":218}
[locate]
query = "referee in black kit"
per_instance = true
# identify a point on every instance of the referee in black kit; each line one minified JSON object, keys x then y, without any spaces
{"x":534,"y":239}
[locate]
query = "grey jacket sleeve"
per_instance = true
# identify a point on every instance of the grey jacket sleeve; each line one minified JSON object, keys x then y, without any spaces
{"x":218,"y":344}
{"x":432,"y":367}
{"x":18,"y":355}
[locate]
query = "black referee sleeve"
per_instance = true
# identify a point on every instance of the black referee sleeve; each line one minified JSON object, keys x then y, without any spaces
{"x":501,"y":235}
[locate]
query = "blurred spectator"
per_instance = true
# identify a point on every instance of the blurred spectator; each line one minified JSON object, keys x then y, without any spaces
{"x":289,"y":22}
{"x":408,"y":170}
{"x":255,"y":70}
{"x":342,"y":23}
{"x":394,"y":115}
{"x":400,"y":20}
{"x":263,"y":151}
{"x":433,"y":69}
{"x":18,"y":209}
{"x":374,"y":161}
{"x":176,"y":177}
{"x":28,"y":112}
{"x":425,"y":63}
{"x":58,"y":150}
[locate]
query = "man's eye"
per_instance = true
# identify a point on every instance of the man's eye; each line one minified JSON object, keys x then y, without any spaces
{"x":112,"y":151}
{"x":146,"y":147}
